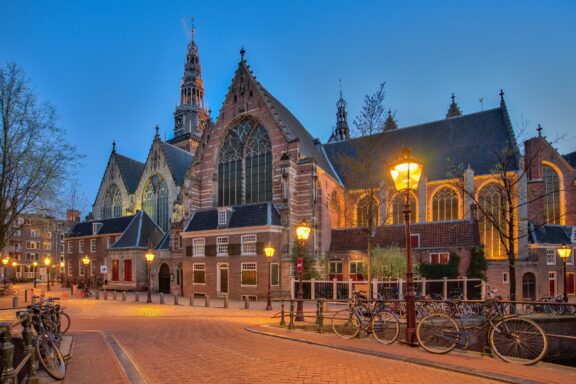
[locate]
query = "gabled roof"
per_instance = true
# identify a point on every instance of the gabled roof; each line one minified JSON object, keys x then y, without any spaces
{"x":571,"y":158}
{"x":131,"y":171}
{"x":109,"y":226}
{"x":142,"y":232}
{"x":252,"y":215}
{"x":164,"y":243}
{"x":473,"y":139}
{"x":438,"y":234}
{"x":549,"y":234}
{"x":178,"y":160}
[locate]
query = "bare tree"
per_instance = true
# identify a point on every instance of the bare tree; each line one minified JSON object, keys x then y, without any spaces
{"x":35,"y":158}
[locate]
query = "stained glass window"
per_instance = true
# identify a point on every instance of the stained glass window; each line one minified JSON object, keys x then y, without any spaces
{"x":155,"y":200}
{"x":363,"y":212}
{"x":445,"y":205}
{"x":112,"y":204}
{"x":492,"y":220}
{"x":551,"y":196}
{"x":398,"y":208}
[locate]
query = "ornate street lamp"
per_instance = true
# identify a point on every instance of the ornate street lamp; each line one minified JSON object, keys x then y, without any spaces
{"x":47,"y":262}
{"x":406,"y":174}
{"x":86,"y":262}
{"x":62,"y":273}
{"x":564,"y":253}
{"x":5,"y":262}
{"x":35,"y":265}
{"x":302,"y":233}
{"x":269,"y":252}
{"x":149,"y":259}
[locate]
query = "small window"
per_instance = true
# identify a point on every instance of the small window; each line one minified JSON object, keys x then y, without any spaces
{"x":96,"y":228}
{"x":199,"y":247}
{"x":69,"y":267}
{"x":356,"y":270}
{"x":570,"y":260}
{"x":47,"y":246}
{"x":550,"y":256}
{"x":335,"y":270}
{"x":69,"y":246}
{"x":248,"y":274}
{"x":505,"y":277}
{"x":222,"y":217}
{"x":109,"y":242}
{"x":248,"y":244}
{"x":415,"y":240}
{"x":81,"y":246}
{"x":274,"y":274}
{"x":439,"y":258}
{"x":33,"y":233}
{"x":199,"y":273}
{"x":92,"y":245}
{"x":222,"y":246}
{"x":49,"y":235}
{"x":81,"y":267}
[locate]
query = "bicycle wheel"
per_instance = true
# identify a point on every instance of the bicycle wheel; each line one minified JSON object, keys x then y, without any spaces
{"x":517,"y":340}
{"x":437,"y":333}
{"x":385,"y":327}
{"x":65,"y":322}
{"x":345,"y":324}
{"x":50,"y":357}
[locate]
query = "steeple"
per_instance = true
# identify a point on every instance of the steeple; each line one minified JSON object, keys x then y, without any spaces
{"x":191,"y":115}
{"x":341,"y":132}
{"x":390,"y":123}
{"x":454,"y":110}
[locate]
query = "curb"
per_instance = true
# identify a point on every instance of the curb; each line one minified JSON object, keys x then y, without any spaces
{"x":391,"y":356}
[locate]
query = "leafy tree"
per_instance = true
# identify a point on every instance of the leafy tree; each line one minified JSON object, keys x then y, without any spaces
{"x":438,"y":271}
{"x":478,"y":264}
{"x":35,"y":157}
{"x":388,"y":263}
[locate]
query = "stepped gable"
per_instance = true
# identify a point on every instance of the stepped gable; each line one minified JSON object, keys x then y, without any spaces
{"x":454,"y":233}
{"x":549,"y":234}
{"x":109,"y":226}
{"x":252,"y":215}
{"x":142,"y":232}
{"x":178,"y":160}
{"x":131,"y":171}
{"x":461,"y":140}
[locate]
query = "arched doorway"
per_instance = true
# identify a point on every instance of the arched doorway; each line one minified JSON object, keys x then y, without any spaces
{"x":528,"y":285}
{"x":164,"y":279}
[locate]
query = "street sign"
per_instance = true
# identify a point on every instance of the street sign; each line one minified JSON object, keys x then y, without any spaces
{"x":103,"y":269}
{"x":300,"y":264}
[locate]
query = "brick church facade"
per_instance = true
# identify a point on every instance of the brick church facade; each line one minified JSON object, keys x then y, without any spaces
{"x":216,"y":194}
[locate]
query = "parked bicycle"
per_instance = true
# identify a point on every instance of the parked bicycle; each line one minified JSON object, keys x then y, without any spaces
{"x":511,"y":338}
{"x":374,"y":318}
{"x":8,"y":291}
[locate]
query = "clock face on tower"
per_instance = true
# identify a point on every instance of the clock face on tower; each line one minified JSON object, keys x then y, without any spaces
{"x":179,"y":122}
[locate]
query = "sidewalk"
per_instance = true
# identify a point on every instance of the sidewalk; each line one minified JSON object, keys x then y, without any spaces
{"x":470,"y":363}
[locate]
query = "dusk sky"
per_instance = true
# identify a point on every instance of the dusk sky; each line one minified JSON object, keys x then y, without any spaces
{"x":113,"y":68}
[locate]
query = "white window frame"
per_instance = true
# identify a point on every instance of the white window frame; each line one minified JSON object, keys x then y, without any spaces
{"x":33,"y":233}
{"x":109,"y":242}
{"x":198,"y":267}
{"x":199,"y":247}
{"x":49,"y":234}
{"x":335,"y":262}
{"x":439,"y":257}
{"x":222,"y":219}
{"x":356,"y":262}
{"x":80,"y":246}
{"x":271,"y":275}
{"x":505,"y":278}
{"x":252,"y":266}
{"x":248,"y":244}
{"x":570,"y":260}
{"x":92,"y":245}
{"x":551,"y":256}
{"x":69,"y":268}
{"x":81,"y":268}
{"x":69,"y":246}
{"x":221,"y":242}
{"x":47,"y":246}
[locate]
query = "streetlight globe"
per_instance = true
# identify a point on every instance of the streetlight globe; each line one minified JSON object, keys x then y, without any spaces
{"x":303,"y":231}
{"x":149,"y":256}
{"x":5,"y":261}
{"x":47,"y":261}
{"x":35,"y":263}
{"x":269,"y":251}
{"x":61,"y":264}
{"x":14,"y":263}
{"x":406,"y":171}
{"x":86,"y":260}
{"x":564,"y":252}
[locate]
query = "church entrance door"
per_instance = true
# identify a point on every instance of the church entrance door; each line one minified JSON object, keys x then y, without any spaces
{"x":164,"y":279}
{"x":222,"y":278}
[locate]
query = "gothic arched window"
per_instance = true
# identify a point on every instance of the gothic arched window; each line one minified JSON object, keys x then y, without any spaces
{"x":492,"y":220}
{"x":245,"y":165}
{"x":112,"y":204}
{"x":363,"y":212}
{"x":445,"y":205}
{"x":155,"y":200}
{"x":398,"y":208}
{"x":551,"y":195}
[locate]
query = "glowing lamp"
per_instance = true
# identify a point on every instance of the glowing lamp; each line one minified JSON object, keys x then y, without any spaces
{"x":269,"y":251}
{"x":35,"y":264}
{"x":406,"y":171}
{"x":5,"y":261}
{"x":47,"y":261}
{"x":86,"y":260}
{"x":303,"y":231}
{"x":149,"y":256}
{"x":564,"y":252}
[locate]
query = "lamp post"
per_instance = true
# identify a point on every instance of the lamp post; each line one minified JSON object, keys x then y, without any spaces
{"x":269,"y":252}
{"x":35,"y":265}
{"x":564,"y":253}
{"x":14,"y":264}
{"x":302,"y":233}
{"x":5,"y":262}
{"x":149,"y":259}
{"x":62,"y":273}
{"x":86,"y":262}
{"x":47,"y":262}
{"x":406,"y":174}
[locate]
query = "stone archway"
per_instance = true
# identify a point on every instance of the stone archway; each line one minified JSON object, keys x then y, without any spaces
{"x":164,"y":278}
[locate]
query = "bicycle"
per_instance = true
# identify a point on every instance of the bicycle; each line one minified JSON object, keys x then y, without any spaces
{"x":375,"y":319}
{"x":511,"y":338}
{"x":8,"y":291}
{"x":60,"y":320}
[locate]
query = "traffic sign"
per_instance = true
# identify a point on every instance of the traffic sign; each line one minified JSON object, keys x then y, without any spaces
{"x":103,"y":269}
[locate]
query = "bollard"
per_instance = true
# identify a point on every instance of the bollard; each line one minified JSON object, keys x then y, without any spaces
{"x":282,"y":320}
{"x":316,"y":323}
{"x":27,"y":336}
{"x":14,"y":301}
{"x":137,"y":297}
{"x":246,"y":302}
{"x":97,"y":295}
{"x":114,"y":295}
{"x":26,"y":295}
{"x":226,"y":301}
{"x":9,"y":374}
{"x":175,"y":299}
{"x":320,"y":327}
{"x":105,"y":295}
{"x":123,"y":295}
{"x":191,"y":300}
{"x":291,"y":323}
{"x":161,"y":297}
{"x":206,"y":301}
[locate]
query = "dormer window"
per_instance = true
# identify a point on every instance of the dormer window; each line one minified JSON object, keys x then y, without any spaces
{"x":96,"y":228}
{"x":573,"y":240}
{"x":222,"y":216}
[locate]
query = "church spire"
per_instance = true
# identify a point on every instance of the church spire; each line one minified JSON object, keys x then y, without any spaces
{"x":454,"y":110}
{"x":341,"y":132}
{"x":390,"y":123}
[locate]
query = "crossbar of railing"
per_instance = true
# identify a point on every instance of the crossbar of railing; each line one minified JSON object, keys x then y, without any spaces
{"x":9,"y":373}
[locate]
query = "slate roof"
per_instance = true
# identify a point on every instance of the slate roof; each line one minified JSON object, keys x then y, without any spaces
{"x":571,"y":158}
{"x":131,"y":171}
{"x":438,"y":234}
{"x":549,"y":234}
{"x":242,"y":216}
{"x":460,"y":140}
{"x":178,"y":160}
{"x":109,"y":226}
{"x":164,"y":243}
{"x":142,"y":232}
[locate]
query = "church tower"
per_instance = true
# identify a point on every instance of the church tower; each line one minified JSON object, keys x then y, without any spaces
{"x":341,"y":132}
{"x":191,"y":116}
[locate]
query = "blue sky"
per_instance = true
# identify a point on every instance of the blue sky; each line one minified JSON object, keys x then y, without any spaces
{"x":113,"y":68}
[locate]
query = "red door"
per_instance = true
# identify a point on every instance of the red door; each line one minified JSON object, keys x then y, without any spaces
{"x":570,"y":278}
{"x":552,"y":287}
{"x":128,"y":270}
{"x":115,"y":270}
